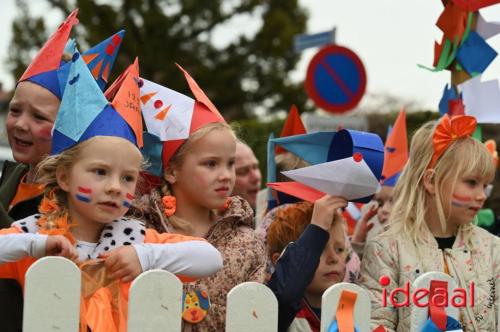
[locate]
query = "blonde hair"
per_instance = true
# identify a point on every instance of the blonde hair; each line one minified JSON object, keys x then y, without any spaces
{"x":287,"y":161}
{"x":464,"y":157}
{"x":46,"y":174}
{"x":149,"y":206}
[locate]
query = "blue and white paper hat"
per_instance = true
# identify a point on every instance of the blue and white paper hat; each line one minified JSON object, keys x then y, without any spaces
{"x":349,"y":166}
{"x":85,"y":112}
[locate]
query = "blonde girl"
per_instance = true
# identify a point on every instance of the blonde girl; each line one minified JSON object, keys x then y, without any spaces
{"x":438,"y":196}
{"x":89,"y":186}
{"x":197,"y":178}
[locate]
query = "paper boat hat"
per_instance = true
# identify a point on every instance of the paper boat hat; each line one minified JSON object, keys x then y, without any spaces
{"x":171,"y":116}
{"x":85,"y":112}
{"x":353,"y":169}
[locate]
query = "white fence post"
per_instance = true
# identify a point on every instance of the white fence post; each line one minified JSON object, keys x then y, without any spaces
{"x":251,"y":307}
{"x":155,"y":302}
{"x":362,"y":308}
{"x":420,"y":315}
{"x":52,"y":296}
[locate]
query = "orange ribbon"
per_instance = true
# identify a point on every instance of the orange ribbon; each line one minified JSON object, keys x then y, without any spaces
{"x":448,"y":131}
{"x":169,"y":205}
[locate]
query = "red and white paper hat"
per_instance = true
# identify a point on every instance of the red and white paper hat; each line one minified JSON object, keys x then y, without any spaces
{"x":172,"y":116}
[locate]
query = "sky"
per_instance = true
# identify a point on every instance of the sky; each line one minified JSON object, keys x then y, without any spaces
{"x":390,"y":36}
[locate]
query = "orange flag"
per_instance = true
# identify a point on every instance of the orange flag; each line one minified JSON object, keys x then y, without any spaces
{"x":127,"y":102}
{"x":292,"y":126}
{"x":396,"y":148}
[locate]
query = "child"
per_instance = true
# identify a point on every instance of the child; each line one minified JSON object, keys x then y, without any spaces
{"x":197,"y":177}
{"x":29,"y":122}
{"x":307,"y":245}
{"x":395,"y":158}
{"x":89,"y":186}
{"x":430,"y":227}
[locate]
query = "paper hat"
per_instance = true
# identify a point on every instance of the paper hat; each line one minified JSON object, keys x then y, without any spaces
{"x":293,"y":126}
{"x":395,"y":151}
{"x":312,"y":147}
{"x":172,"y":116}
{"x":43,"y":68}
{"x":100,"y":59}
{"x":85,"y":112}
{"x":353,"y":169}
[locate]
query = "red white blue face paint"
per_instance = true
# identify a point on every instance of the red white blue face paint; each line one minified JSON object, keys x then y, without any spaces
{"x":460,"y":201}
{"x":84,"y":194}
{"x":128,"y":200}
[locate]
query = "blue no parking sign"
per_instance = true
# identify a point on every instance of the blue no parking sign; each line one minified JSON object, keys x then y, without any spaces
{"x":336,"y":79}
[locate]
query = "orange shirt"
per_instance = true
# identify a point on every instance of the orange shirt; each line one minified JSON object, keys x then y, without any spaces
{"x":26,"y":191}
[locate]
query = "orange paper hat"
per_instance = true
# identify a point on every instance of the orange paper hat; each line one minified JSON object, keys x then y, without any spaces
{"x":293,"y":126}
{"x":396,"y":149}
{"x":448,"y":131}
{"x":172,"y":117}
{"x":43,"y":68}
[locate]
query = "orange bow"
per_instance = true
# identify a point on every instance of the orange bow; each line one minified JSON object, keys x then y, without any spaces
{"x":449,"y":130}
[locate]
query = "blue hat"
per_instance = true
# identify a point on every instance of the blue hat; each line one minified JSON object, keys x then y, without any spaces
{"x":85,"y":112}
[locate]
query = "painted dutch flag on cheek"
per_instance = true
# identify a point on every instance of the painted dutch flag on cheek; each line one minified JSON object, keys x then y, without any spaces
{"x":128,"y":200}
{"x":83,"y":194}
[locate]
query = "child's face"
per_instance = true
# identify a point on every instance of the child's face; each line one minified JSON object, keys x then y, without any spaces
{"x":206,"y":176}
{"x":331,"y":268}
{"x":385,"y":202}
{"x":101,"y":184}
{"x":467,"y":198}
{"x":30,"y":119}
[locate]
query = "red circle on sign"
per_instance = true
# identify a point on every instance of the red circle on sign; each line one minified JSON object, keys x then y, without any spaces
{"x":320,"y":60}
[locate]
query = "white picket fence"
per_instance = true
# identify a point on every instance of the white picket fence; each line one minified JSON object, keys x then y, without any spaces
{"x":53,"y":286}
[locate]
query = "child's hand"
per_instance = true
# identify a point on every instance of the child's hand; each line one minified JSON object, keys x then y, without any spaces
{"x":123,"y":263}
{"x":325,"y":209}
{"x":59,"y":245}
{"x":363,"y":226}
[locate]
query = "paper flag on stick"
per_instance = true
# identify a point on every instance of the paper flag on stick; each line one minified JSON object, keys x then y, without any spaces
{"x":487,"y":29}
{"x":350,"y":178}
{"x":482,"y":99}
{"x":292,"y":126}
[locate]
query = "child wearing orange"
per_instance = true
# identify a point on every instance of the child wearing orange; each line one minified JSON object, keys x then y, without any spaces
{"x":90,"y":182}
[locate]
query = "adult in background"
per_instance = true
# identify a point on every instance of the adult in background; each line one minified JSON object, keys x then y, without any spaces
{"x":248,"y":175}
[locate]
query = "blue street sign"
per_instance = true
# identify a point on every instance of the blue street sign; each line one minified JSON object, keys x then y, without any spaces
{"x":336,"y":79}
{"x":304,"y":41}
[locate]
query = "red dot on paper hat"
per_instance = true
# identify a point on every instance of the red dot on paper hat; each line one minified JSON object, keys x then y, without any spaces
{"x":384,"y":281}
{"x":158,"y":103}
{"x":357,"y":157}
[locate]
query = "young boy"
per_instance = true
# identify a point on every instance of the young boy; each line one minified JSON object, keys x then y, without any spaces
{"x":307,"y":245}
